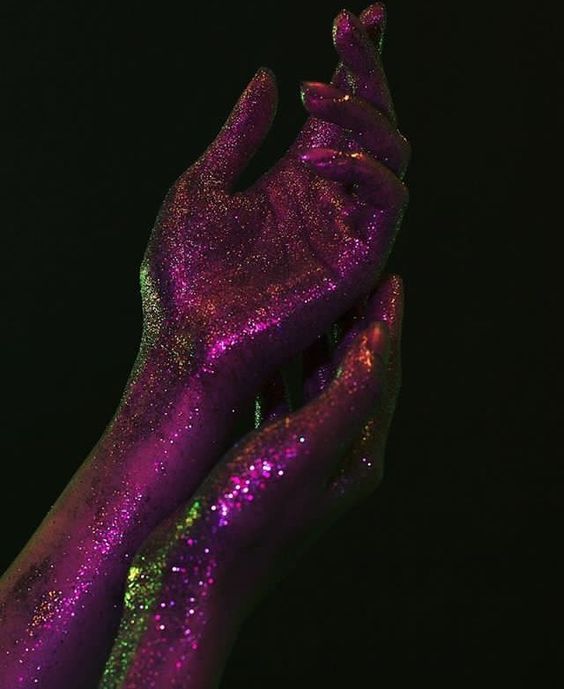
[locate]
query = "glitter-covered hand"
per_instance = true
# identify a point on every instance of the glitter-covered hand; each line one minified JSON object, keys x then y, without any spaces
{"x":242,"y":280}
{"x":233,"y":285}
{"x":197,"y":576}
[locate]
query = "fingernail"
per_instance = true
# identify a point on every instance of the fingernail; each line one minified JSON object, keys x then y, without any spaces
{"x":318,"y":89}
{"x":378,"y":337}
{"x":344,"y":24}
{"x":320,"y":156}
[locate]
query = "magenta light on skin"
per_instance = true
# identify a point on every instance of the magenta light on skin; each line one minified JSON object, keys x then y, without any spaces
{"x":233,"y":285}
{"x":196,"y":578}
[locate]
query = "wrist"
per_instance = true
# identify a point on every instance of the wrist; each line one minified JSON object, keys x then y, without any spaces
{"x":180,"y":620}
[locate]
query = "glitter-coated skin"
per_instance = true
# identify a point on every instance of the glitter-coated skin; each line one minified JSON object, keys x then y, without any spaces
{"x":233,"y":285}
{"x":194,"y":580}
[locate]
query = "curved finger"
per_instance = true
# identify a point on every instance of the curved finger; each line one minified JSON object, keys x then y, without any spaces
{"x":244,"y":131}
{"x":373,"y":19}
{"x":362,"y":60}
{"x":363,"y":468}
{"x":386,"y":305}
{"x":375,"y":183}
{"x":381,"y":305}
{"x":316,"y":132}
{"x":329,"y":423}
{"x":369,"y":127}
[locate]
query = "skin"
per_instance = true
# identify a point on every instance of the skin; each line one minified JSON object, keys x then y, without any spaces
{"x":200,"y":573}
{"x":233,"y":285}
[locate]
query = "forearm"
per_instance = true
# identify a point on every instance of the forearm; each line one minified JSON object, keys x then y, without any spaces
{"x":204,"y":568}
{"x":60,"y":601}
{"x":187,"y":652}
{"x":183,"y":606}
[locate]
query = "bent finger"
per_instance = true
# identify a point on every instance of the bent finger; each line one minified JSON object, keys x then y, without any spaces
{"x":375,"y":183}
{"x":368,"y":126}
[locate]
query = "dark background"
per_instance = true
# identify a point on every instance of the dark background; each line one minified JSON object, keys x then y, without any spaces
{"x":452,"y":572}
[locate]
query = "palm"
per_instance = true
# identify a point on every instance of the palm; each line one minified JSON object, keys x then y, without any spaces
{"x":298,"y":246}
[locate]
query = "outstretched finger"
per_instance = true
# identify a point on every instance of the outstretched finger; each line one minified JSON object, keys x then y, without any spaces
{"x":243,"y":132}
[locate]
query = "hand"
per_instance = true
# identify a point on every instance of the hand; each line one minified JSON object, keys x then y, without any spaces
{"x":194,"y":580}
{"x":232,"y":283}
{"x":246,"y":279}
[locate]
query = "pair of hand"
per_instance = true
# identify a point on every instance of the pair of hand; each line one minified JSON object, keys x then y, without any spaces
{"x":261,"y":271}
{"x":233,"y":286}
{"x":198,"y":575}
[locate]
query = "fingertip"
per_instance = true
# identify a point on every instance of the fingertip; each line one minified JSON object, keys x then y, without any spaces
{"x":341,"y":18}
{"x":373,"y":18}
{"x":265,"y":80}
{"x":244,"y":130}
{"x":263,"y":73}
{"x":343,"y":25}
{"x":266,"y":73}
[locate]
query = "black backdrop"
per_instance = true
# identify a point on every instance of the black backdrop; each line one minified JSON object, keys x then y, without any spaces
{"x":452,"y":572}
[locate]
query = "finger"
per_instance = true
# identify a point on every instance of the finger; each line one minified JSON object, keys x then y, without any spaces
{"x":315,"y":438}
{"x":318,"y":133}
{"x":362,"y":469}
{"x":386,"y":304}
{"x":382,"y":305}
{"x":362,"y":61}
{"x":368,"y":127}
{"x":375,"y":183}
{"x":316,"y":366}
{"x":373,"y":19}
{"x":331,"y":422}
{"x":244,"y":131}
